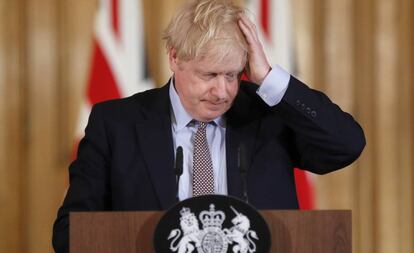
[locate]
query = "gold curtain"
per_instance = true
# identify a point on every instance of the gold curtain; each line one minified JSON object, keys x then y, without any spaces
{"x":44,"y":58}
{"x":359,"y":52}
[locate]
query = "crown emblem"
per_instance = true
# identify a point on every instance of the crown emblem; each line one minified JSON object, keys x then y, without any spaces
{"x":212,"y":218}
{"x":212,"y":238}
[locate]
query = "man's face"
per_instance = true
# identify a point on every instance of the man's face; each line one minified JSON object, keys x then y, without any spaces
{"x":207,"y":87}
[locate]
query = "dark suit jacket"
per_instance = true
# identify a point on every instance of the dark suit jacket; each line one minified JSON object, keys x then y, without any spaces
{"x":125,"y":161}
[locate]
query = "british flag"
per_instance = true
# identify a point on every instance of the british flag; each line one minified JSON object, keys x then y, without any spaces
{"x":118,"y":66}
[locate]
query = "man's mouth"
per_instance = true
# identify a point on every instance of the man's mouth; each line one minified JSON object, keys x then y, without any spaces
{"x":215,"y":106}
{"x":215,"y":103}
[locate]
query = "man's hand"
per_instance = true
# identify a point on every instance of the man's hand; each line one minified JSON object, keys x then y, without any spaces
{"x":257,"y":66}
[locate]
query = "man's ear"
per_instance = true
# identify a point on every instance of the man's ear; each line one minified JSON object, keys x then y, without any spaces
{"x":172,"y":59}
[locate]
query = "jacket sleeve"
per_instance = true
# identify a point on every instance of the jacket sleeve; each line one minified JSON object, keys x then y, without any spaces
{"x":89,"y":187}
{"x":326,"y":138}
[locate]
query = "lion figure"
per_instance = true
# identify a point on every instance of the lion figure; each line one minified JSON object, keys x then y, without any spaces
{"x":190,"y":227}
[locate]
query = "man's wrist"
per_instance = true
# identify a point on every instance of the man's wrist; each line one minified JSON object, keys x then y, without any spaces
{"x":274,"y":86}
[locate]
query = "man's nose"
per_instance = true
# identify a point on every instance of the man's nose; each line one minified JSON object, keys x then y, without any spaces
{"x":220,"y":87}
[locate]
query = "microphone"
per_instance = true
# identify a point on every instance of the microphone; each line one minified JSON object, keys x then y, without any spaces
{"x":242,"y":165}
{"x":178,"y":168}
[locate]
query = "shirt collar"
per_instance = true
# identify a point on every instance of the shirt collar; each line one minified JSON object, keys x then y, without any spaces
{"x":179,"y":116}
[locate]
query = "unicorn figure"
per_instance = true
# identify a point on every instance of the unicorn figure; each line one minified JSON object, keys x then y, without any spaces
{"x":241,"y":235}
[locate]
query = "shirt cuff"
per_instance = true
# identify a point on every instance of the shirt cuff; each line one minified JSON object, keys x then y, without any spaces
{"x":274,"y":86}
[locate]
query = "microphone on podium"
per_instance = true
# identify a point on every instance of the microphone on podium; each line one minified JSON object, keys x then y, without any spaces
{"x":242,"y":165}
{"x":178,"y":168}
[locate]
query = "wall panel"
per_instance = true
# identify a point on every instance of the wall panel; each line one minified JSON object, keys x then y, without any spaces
{"x":363,"y":65}
{"x":338,"y":85}
{"x":42,"y":76}
{"x":12,"y":128}
{"x":388,"y":169}
{"x":406,"y":135}
{"x":304,"y":40}
{"x":43,"y":45}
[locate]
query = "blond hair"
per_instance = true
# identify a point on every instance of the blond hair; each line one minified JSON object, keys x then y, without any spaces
{"x":204,"y":27}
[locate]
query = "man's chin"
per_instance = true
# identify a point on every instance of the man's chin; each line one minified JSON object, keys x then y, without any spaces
{"x":211,"y":115}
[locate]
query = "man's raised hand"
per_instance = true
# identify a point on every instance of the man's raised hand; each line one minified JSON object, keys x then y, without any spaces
{"x":257,"y":66}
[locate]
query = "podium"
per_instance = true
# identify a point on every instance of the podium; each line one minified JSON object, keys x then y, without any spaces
{"x":292,"y":231}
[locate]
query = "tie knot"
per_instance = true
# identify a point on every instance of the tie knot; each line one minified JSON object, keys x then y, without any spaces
{"x":202,"y":125}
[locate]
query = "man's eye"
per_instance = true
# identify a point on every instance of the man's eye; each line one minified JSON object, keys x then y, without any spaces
{"x":231,"y":76}
{"x":209,"y":75}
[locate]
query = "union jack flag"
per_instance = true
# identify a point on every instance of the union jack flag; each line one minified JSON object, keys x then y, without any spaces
{"x":118,"y":66}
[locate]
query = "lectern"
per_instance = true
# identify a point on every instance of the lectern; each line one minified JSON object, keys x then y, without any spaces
{"x":292,"y":231}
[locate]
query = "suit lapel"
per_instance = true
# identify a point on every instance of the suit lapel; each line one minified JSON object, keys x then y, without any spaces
{"x":155,"y":139}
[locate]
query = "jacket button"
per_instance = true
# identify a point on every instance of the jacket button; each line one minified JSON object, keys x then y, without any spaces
{"x":303,"y":106}
{"x":314,"y":114}
{"x":308,"y":110}
{"x":298,"y":102}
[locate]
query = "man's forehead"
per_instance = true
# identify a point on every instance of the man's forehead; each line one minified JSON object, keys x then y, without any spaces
{"x":218,"y":68}
{"x":233,"y":63}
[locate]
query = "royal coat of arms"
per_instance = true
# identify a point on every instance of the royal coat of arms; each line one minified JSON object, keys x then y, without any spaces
{"x":212,"y":238}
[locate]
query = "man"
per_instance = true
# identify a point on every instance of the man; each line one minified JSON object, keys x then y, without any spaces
{"x":125,"y":161}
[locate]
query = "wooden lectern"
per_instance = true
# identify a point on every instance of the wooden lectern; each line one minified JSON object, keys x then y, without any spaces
{"x":291,"y":231}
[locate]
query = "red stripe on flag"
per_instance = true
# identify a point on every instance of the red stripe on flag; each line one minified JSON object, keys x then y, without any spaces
{"x":304,"y":190}
{"x":101,"y":84}
{"x":264,"y":17}
{"x":115,"y":17}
